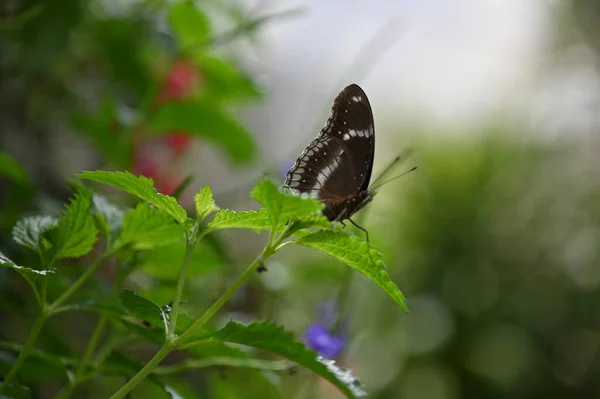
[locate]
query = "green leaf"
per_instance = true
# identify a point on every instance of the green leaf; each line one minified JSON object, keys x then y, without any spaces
{"x":253,"y":220}
{"x":75,"y":234}
{"x":143,"y":309}
{"x":32,"y":276}
{"x":205,"y":119}
{"x":190,"y":26}
{"x":12,"y":170}
{"x":205,"y":204}
{"x":312,"y":221}
{"x":142,"y":187}
{"x":357,"y":254}
{"x":111,"y":216}
{"x":29,"y":232}
{"x":148,"y":228}
{"x":282,"y":204}
{"x":272,"y":338}
{"x":224,"y":81}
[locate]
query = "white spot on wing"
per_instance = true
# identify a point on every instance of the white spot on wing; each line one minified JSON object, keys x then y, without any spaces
{"x":346,"y":137}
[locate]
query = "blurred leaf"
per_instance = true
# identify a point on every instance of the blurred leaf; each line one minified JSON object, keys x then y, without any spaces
{"x":94,"y":306}
{"x":283,"y":205}
{"x":272,"y":338}
{"x":143,"y":309}
{"x":39,"y":365}
{"x":204,"y":119}
{"x":205,"y":204}
{"x":358,"y":255}
{"x":142,"y":187}
{"x":16,"y":391}
{"x":110,"y":216}
{"x":165,"y":263}
{"x":121,"y":43}
{"x":104,"y":130}
{"x":223,"y":81}
{"x":148,"y":228}
{"x":75,"y":233}
{"x":254,"y":220}
{"x":12,"y":170}
{"x":152,"y":334}
{"x":224,"y":361}
{"x":190,"y":25}
{"x":30,"y":275}
{"x":29,"y":232}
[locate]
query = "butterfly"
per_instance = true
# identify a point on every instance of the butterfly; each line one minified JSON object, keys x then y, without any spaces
{"x":336,"y":167}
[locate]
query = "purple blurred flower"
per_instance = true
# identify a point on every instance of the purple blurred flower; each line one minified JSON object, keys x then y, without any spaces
{"x":323,"y":337}
{"x":324,"y":342}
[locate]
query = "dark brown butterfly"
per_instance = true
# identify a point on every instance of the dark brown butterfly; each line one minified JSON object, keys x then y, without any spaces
{"x":337,"y":165}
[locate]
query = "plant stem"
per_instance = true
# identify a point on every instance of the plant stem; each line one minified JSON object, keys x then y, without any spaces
{"x":179,"y":290}
{"x":35,"y":330}
{"x":226,"y":295}
{"x":78,"y":283}
{"x":139,"y":377}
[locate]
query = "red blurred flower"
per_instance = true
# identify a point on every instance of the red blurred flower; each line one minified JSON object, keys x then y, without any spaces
{"x":180,"y":82}
{"x":178,"y":141}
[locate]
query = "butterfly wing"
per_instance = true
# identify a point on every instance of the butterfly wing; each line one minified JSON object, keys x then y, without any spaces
{"x":337,"y":165}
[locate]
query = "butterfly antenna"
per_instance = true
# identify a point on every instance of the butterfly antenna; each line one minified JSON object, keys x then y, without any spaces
{"x":393,"y":178}
{"x":387,"y":169}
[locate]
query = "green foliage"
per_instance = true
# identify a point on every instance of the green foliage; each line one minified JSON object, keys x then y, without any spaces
{"x":270,"y":337}
{"x":224,"y":81}
{"x":147,"y":228}
{"x":283,"y":205}
{"x":205,"y":204}
{"x":109,"y":217}
{"x":142,"y":187}
{"x":358,"y":255}
{"x":29,"y":232}
{"x":11,"y":169}
{"x":253,"y":220}
{"x":32,"y":276}
{"x":143,"y":309}
{"x":190,"y":25}
{"x":203,"y":118}
{"x":75,"y":233}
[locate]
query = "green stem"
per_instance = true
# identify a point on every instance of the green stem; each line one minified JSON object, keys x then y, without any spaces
{"x":224,"y":298}
{"x":88,"y":273}
{"x":139,"y":377}
{"x":35,"y":330}
{"x":179,"y":290}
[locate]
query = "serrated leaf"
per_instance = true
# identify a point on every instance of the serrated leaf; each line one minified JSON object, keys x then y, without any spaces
{"x":313,"y":221}
{"x":205,"y":119}
{"x":30,"y":275}
{"x":272,"y":338}
{"x":282,"y":204}
{"x":358,"y":255}
{"x":110,"y":215}
{"x":142,"y":187}
{"x":205,"y":204}
{"x":12,"y":170}
{"x":143,"y":309}
{"x":29,"y":232}
{"x":253,"y":220}
{"x":190,"y":25}
{"x":75,"y":233}
{"x":147,"y":228}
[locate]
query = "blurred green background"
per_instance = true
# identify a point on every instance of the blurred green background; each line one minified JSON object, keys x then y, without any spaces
{"x":494,"y":240}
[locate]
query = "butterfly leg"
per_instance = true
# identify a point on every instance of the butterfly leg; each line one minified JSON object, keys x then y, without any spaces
{"x":356,"y":225}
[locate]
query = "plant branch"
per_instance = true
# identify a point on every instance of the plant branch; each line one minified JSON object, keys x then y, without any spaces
{"x":33,"y":334}
{"x":147,"y":369}
{"x":190,"y":244}
{"x":78,"y":283}
{"x":202,"y":320}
